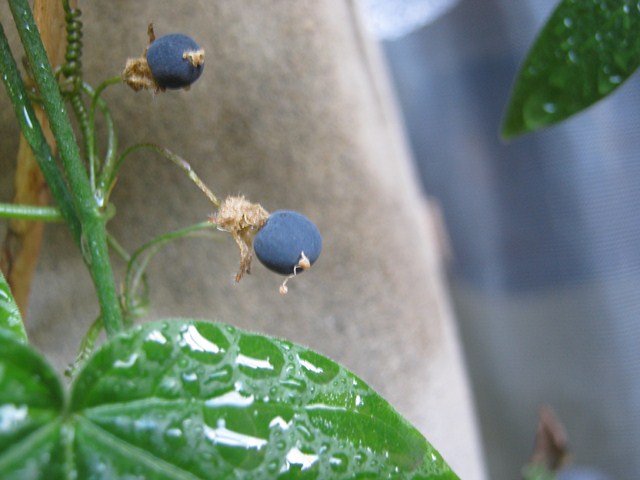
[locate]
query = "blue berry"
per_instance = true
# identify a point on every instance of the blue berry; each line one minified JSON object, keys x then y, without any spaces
{"x":171,"y":61}
{"x":285,"y":240}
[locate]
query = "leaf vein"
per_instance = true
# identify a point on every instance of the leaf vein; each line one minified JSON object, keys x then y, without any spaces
{"x":150,"y":460}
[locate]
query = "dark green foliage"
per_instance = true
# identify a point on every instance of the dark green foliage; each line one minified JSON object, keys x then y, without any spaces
{"x":190,"y":399}
{"x":10,"y":320}
{"x":586,"y":50}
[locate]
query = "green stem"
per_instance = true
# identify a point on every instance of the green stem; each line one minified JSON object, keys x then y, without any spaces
{"x":88,"y":133}
{"x":117,"y":248}
{"x":86,"y":347}
{"x":30,"y":212}
{"x":32,"y":132}
{"x":94,"y":236}
{"x":140,"y":259}
{"x":99,"y":89}
{"x":108,"y":175}
{"x":112,"y":141}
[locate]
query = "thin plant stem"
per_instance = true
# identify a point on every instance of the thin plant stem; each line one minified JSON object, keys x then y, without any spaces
{"x":87,"y":130}
{"x":13,"y":211}
{"x":94,"y":237}
{"x":140,"y":259}
{"x":118,"y":248}
{"x":108,"y":176}
{"x":99,"y":89}
{"x":112,"y":140}
{"x":86,"y":347}
{"x":32,"y":132}
{"x":130,"y":311}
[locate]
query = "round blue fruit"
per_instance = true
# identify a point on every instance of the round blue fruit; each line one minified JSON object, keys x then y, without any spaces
{"x":169,"y":65}
{"x":285,"y":240}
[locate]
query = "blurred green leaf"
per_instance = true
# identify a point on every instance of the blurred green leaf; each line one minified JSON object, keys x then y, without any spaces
{"x":586,"y":50}
{"x":31,"y":403}
{"x":537,"y":472}
{"x":192,"y":399}
{"x":10,"y":320}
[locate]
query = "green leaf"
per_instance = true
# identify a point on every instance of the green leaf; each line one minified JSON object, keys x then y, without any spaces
{"x":197,"y":400}
{"x":586,"y":50}
{"x":537,"y":472}
{"x":189,"y":399}
{"x":31,"y":403}
{"x":10,"y":320}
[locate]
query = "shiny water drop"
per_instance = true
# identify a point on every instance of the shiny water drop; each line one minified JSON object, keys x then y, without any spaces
{"x":607,"y":81}
{"x":615,"y":79}
{"x":223,"y":436}
{"x":99,"y":198}
{"x":232,"y":398}
{"x":273,"y":467}
{"x":339,"y":462}
{"x":11,"y":416}
{"x":254,"y":363}
{"x":126,"y":363}
{"x":243,"y":450}
{"x":196,"y":342}
{"x":175,"y":437}
{"x":222,"y":375}
{"x":27,"y":117}
{"x":258,"y":357}
{"x":538,"y":111}
{"x":280,"y":423}
{"x":293,"y":383}
{"x":169,"y":387}
{"x":205,"y":342}
{"x":156,"y":336}
{"x":190,"y":382}
{"x":360,"y":458}
{"x":157,"y":348}
{"x":189,"y":377}
{"x":297,"y":457}
{"x":318,"y":368}
{"x":305,"y":432}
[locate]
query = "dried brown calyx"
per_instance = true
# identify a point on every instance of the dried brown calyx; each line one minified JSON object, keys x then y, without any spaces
{"x":195,"y":57}
{"x":242,"y":219}
{"x":137,"y":73}
{"x":138,"y":76}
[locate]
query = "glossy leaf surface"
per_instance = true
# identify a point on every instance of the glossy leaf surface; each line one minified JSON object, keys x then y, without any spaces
{"x":31,"y":403}
{"x":585,"y":51}
{"x":10,"y":320}
{"x":189,"y":399}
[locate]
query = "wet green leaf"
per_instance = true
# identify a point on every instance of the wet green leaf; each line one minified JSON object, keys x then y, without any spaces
{"x":192,"y":399}
{"x":31,"y":403}
{"x":10,"y":320}
{"x":586,"y":50}
{"x":188,"y":399}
